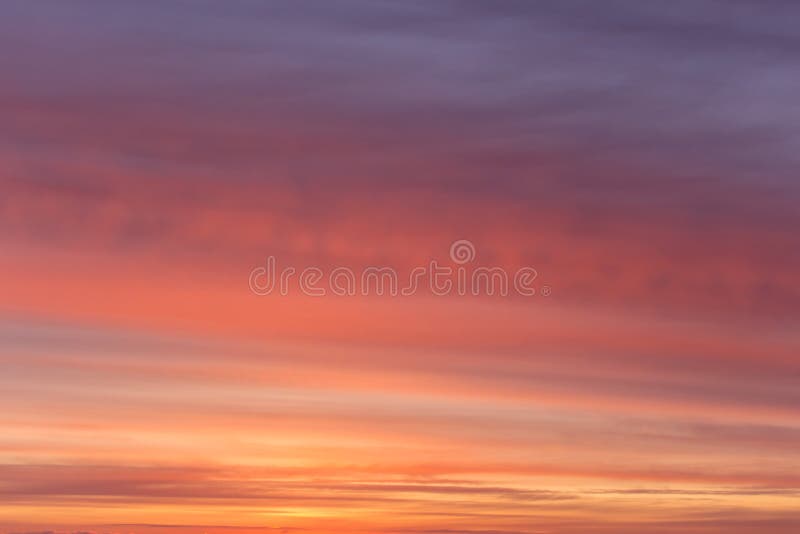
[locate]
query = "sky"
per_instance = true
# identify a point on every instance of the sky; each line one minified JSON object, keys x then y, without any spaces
{"x":640,"y":157}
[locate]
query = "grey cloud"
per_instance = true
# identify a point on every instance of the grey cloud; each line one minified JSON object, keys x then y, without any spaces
{"x":689,"y":89}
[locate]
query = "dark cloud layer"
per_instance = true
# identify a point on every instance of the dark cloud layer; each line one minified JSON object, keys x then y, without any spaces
{"x":702,"y":91}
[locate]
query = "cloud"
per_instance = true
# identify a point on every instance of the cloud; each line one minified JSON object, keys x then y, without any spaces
{"x":642,"y":157}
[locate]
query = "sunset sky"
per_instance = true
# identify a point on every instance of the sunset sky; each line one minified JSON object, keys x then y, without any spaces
{"x":642,"y":157}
